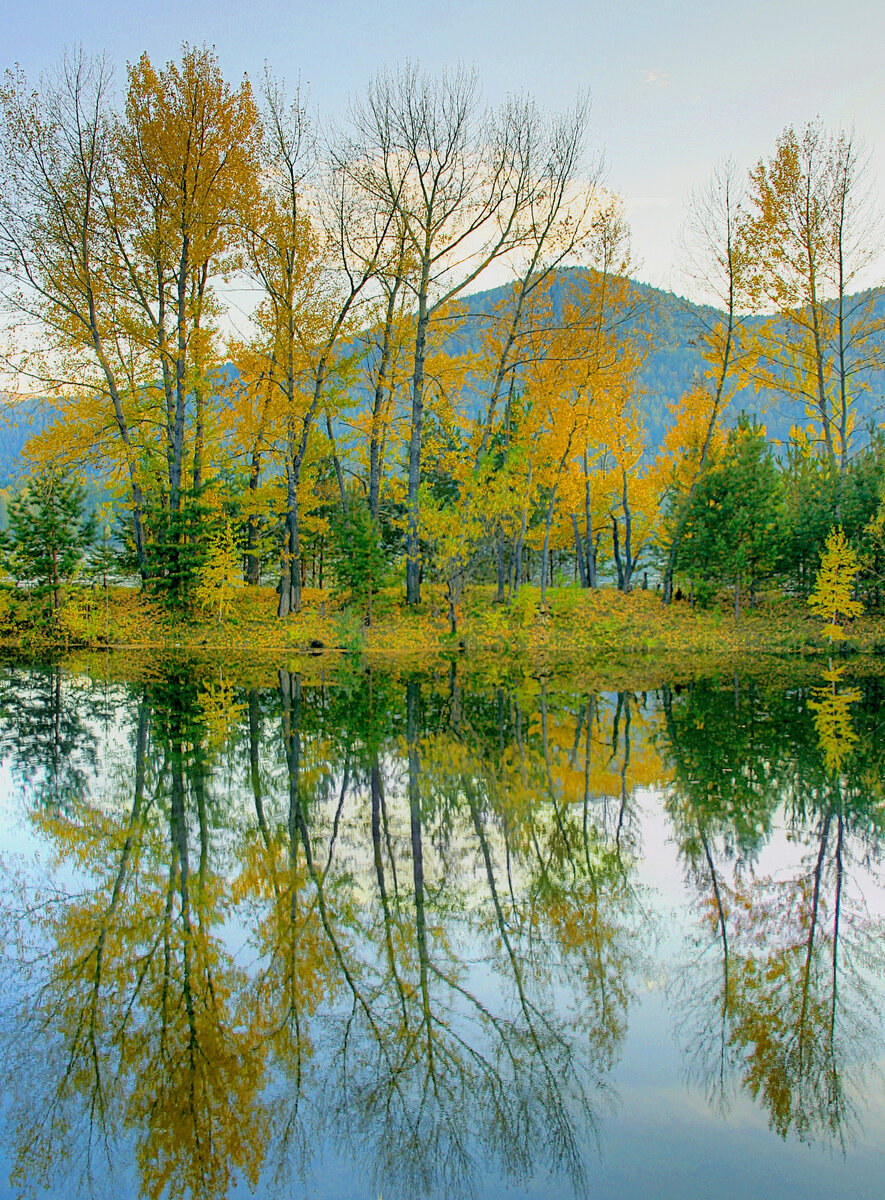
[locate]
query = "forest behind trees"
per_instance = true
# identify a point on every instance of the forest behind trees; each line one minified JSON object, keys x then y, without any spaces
{"x":409,"y":349}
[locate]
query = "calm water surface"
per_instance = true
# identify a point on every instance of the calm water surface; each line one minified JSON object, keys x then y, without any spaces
{"x":349,"y":934}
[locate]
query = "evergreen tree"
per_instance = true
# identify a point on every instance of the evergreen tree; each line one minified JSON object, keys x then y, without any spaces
{"x":732,"y":523}
{"x":359,"y":558}
{"x":831,"y":599}
{"x":48,"y":535}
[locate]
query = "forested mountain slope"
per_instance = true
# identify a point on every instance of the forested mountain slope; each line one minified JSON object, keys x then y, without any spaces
{"x":668,"y":371}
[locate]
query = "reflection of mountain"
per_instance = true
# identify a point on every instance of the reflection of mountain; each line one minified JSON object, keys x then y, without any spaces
{"x":398,"y":922}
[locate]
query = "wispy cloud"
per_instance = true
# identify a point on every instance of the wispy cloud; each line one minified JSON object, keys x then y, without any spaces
{"x":656,"y":78}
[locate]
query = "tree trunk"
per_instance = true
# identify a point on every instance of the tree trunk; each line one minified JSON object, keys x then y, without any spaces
{"x":290,"y":577}
{"x":336,"y":462}
{"x":376,"y":442}
{"x":500,"y":565}
{"x":253,"y":564}
{"x":616,"y":550}
{"x":198,"y":439}
{"x":546,"y":550}
{"x":579,"y":553}
{"x":413,"y":578}
{"x":628,"y":535}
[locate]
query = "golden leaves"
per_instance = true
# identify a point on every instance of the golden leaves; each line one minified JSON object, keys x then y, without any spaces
{"x":831,"y":597}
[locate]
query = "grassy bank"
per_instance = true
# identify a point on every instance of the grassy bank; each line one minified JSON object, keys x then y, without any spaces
{"x":595,"y":626}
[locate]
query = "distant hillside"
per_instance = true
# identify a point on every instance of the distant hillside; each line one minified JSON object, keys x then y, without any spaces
{"x":19,"y":420}
{"x":675,"y":361}
{"x":668,"y":372}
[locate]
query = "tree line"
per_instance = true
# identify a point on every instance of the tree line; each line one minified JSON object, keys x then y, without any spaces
{"x":259,"y":335}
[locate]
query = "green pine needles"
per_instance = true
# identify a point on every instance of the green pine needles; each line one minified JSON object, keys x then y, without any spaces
{"x":48,"y":537}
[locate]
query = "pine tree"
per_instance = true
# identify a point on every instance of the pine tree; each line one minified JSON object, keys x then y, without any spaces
{"x":359,"y":556}
{"x":731,"y":527}
{"x":48,"y":534}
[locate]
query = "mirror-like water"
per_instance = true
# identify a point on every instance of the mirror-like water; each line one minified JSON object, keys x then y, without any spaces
{"x":440,"y":935}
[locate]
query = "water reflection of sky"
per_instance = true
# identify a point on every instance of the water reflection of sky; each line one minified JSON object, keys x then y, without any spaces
{"x":658,"y":1130}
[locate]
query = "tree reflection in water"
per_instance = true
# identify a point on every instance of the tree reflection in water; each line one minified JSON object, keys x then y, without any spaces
{"x":398,"y":920}
{"x":779,"y":999}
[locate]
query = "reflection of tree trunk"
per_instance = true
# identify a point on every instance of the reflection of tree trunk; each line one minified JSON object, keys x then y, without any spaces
{"x":566,"y":845}
{"x":587,"y":745}
{"x":117,"y":890}
{"x":720,"y":910}
{"x":528,"y":1010}
{"x":837,"y":906}
{"x":255,"y":780}
{"x":200,"y":794}
{"x":377,"y":800}
{"x":290,"y":690}
{"x":178,"y":829}
{"x":625,"y":763}
{"x":812,"y":929}
{"x":413,"y":700}
{"x":254,"y":766}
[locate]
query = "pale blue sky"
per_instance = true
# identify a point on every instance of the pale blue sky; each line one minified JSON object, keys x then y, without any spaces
{"x":675,"y":84}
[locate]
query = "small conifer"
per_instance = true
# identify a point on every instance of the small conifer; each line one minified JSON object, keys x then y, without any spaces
{"x":831,"y":597}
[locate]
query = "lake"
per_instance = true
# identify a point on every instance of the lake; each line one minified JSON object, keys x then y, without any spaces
{"x":340,"y":932}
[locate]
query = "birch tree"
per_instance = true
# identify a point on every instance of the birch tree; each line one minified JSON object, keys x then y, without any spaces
{"x":715,"y":260}
{"x":461,"y":180}
{"x":812,"y":231}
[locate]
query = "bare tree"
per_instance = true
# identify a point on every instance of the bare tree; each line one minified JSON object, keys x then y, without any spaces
{"x":314,"y":246}
{"x":714,"y":260}
{"x":459,"y":177}
{"x":58,"y":156}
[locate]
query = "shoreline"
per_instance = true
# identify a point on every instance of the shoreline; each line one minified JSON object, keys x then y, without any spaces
{"x":602,"y":630}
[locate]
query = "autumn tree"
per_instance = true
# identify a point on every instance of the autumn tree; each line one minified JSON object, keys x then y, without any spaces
{"x":116,"y":228}
{"x":314,"y":246}
{"x":831,"y":598}
{"x":811,"y":232}
{"x":462,"y":180}
{"x":59,"y":151}
{"x":189,"y":155}
{"x":715,"y":260}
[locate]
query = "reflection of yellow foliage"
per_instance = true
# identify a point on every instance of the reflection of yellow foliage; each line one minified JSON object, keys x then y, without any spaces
{"x":220,"y":710}
{"x":832,"y":719}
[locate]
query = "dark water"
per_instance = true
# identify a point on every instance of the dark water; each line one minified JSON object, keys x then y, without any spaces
{"x":344,"y":934}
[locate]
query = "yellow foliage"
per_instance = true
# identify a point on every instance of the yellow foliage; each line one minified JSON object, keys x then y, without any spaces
{"x":831,"y":597}
{"x":220,"y":575}
{"x":832,"y":719}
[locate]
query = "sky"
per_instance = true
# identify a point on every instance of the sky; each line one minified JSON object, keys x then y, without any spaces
{"x":675,"y":86}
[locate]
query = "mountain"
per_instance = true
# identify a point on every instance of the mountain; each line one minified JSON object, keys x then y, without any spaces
{"x":675,"y":361}
{"x":667,"y":373}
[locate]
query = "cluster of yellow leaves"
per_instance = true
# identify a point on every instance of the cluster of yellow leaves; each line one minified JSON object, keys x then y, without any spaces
{"x":831,"y":597}
{"x":220,"y":575}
